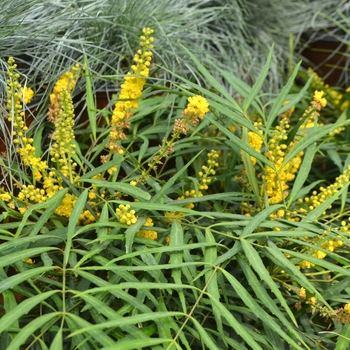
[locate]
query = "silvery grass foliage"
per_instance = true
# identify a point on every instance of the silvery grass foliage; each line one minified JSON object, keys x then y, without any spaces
{"x":224,"y":280}
{"x":51,"y":35}
{"x":47,"y":37}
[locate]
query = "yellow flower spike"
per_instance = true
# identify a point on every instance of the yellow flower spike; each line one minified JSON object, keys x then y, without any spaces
{"x":131,"y":90}
{"x":67,"y":81}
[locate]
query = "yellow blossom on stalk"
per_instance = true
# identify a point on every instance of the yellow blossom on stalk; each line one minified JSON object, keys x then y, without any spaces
{"x":204,"y":175}
{"x":126,"y":216}
{"x":347,"y":308}
{"x":28,"y":94}
{"x":66,"y":82}
{"x":302,"y":293}
{"x":197,"y":105}
{"x":255,"y":141}
{"x":87,"y":218}
{"x":66,"y":206}
{"x":5,"y":197}
{"x":327,"y":192}
{"x":14,"y":106}
{"x":276,"y":182}
{"x":180,"y":126}
{"x":333,"y":95}
{"x":112,"y":170}
{"x":150,"y":234}
{"x":131,"y":89}
{"x":174,"y":216}
{"x":50,"y":186}
{"x":63,"y":147}
{"x":318,"y":97}
{"x":328,"y":245}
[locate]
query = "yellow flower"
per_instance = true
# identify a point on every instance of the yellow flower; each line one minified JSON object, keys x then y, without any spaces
{"x":197,"y":105}
{"x":66,"y":206}
{"x":302,"y":293}
{"x":318,"y":97}
{"x":255,"y":141}
{"x":66,"y":82}
{"x":126,"y":216}
{"x":150,"y":234}
{"x":132,"y":87}
{"x":28,"y":94}
{"x":5,"y":197}
{"x":347,"y":308}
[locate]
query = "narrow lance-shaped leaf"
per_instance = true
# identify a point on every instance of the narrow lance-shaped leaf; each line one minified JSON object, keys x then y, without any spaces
{"x":259,"y":82}
{"x":176,"y":257}
{"x":90,"y":101}
{"x":259,"y":218}
{"x":73,"y":220}
{"x":265,"y":298}
{"x":257,"y":310}
{"x":258,"y":265}
{"x":281,"y":98}
{"x":211,"y":278}
{"x":303,"y":173}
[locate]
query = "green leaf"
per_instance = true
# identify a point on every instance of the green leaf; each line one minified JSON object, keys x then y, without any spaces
{"x":9,"y":304}
{"x":30,"y":328}
{"x":266,"y":300}
{"x":15,"y":280}
{"x":213,"y":82}
{"x":117,"y":160}
{"x":239,"y":143}
{"x":255,"y":308}
{"x":250,"y":171}
{"x":258,"y":265}
{"x":317,"y":212}
{"x":204,"y":336}
{"x":122,"y":187}
{"x":303,"y":173}
{"x":313,"y":136}
{"x":51,"y":205}
{"x":259,"y":82}
{"x":8,"y":260}
{"x":22,"y":309}
{"x":343,"y":342}
{"x":127,"y":320}
{"x":131,"y":232}
{"x":275,"y":254}
{"x":238,"y":85}
{"x":57,"y":343}
{"x":90,"y":100}
{"x":172,"y":180}
{"x":211,"y":279}
{"x":176,"y":257}
{"x":275,"y":110}
{"x":111,"y":314}
{"x":237,"y":326}
{"x":99,"y":336}
{"x":138,"y":344}
{"x":259,"y":218}
{"x":73,"y":220}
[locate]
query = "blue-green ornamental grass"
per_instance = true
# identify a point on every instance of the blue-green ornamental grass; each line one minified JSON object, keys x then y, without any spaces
{"x":178,"y":218}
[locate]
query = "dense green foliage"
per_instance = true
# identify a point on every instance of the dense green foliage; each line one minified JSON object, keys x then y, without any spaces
{"x":168,"y":224}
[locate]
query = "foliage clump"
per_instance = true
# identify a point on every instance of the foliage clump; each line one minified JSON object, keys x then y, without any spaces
{"x":177,"y":218}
